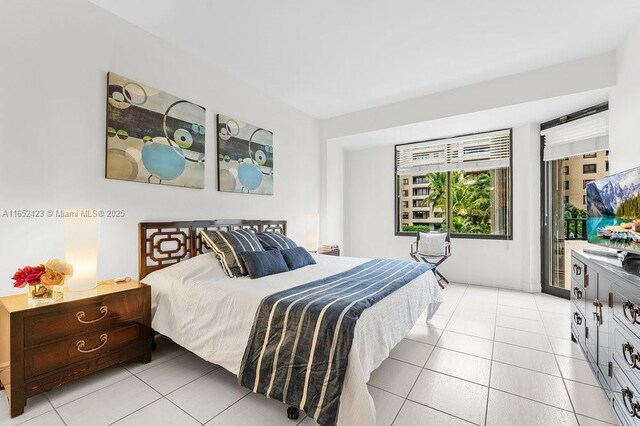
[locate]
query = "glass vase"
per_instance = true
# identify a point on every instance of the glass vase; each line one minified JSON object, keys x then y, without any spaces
{"x":40,"y":294}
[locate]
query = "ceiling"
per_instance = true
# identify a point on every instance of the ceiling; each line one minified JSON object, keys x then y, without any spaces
{"x":331,"y":57}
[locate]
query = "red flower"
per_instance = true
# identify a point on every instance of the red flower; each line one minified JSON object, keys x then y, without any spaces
{"x":28,"y":275}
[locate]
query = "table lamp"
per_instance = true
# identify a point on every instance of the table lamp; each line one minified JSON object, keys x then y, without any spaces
{"x":81,"y":238}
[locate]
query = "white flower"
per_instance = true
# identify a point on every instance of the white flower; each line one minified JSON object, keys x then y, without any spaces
{"x":59,"y":266}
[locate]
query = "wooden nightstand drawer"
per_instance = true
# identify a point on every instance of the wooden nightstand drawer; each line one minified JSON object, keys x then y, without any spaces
{"x":96,"y":314}
{"x":45,"y":346}
{"x":51,"y":356}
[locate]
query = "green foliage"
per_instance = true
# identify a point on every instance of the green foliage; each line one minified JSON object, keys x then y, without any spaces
{"x":415,"y":228}
{"x":470,"y":200}
{"x":629,"y":209}
{"x":574,"y":226}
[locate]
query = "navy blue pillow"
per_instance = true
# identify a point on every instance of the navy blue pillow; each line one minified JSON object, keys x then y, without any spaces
{"x":263,"y":263}
{"x":297,"y":257}
{"x":274,"y":240}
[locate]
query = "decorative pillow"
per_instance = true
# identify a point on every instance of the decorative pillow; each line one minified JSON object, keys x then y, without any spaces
{"x":229,"y":245}
{"x":275,"y":240}
{"x":432,"y":244}
{"x":263,"y":263}
{"x":297,"y":257}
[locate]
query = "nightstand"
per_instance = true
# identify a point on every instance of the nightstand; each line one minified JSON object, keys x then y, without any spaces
{"x":46,"y":346}
{"x":329,"y":250}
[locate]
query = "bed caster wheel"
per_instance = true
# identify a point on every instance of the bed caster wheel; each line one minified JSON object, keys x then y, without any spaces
{"x":293,"y":413}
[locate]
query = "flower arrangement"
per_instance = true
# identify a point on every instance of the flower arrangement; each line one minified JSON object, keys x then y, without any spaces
{"x":41,"y":278}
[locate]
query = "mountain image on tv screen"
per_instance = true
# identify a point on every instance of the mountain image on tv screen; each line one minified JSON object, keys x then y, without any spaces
{"x":613,"y":205}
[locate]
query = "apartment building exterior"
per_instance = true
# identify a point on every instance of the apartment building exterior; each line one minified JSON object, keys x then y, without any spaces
{"x":413,"y":190}
{"x":578,"y":171}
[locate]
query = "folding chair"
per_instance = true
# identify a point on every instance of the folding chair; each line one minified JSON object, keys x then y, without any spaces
{"x":432,"y":250}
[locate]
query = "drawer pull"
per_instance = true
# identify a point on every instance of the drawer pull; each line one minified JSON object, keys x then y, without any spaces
{"x":577,"y":318}
{"x":80,"y":315}
{"x":632,"y":407}
{"x":80,"y":345}
{"x":598,"y":314}
{"x":633,"y":358}
{"x":577,"y":293}
{"x":577,"y":269}
{"x":633,"y":312}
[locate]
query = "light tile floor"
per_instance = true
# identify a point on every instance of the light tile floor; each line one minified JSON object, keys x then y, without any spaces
{"x":494,"y":357}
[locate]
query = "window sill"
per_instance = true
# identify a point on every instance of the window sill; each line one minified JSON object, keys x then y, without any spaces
{"x":463,"y":236}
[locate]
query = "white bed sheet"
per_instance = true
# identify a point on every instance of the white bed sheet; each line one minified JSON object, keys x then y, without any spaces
{"x":196,"y":305}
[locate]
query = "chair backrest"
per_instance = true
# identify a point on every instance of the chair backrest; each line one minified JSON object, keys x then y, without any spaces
{"x":433,"y":242}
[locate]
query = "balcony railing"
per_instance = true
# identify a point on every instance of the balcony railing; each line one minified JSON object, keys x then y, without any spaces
{"x":575,"y":228}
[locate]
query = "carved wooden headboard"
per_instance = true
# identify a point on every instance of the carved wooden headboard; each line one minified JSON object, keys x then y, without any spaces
{"x":162,"y":244}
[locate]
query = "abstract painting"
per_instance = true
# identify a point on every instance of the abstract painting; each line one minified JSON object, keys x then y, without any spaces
{"x":245,"y":157}
{"x":152,"y":136}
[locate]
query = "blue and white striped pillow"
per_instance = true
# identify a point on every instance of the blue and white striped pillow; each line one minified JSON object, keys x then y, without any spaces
{"x":228,"y":247}
{"x":275,"y":240}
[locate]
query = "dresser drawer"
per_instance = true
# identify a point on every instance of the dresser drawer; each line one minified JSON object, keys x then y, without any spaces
{"x":579,"y":272}
{"x":626,"y":308}
{"x":96,"y":314}
{"x":49,"y":357}
{"x":578,"y":326}
{"x":626,"y":354}
{"x":578,"y":295}
{"x":626,"y":399}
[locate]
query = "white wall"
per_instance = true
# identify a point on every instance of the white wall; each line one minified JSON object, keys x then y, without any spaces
{"x":624,"y":105}
{"x":369,"y":219}
{"x":55,"y":56}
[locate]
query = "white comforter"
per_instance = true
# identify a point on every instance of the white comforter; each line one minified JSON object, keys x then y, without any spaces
{"x":196,"y":305}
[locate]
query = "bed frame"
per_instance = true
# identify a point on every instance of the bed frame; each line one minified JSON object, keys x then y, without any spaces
{"x":163,"y":244}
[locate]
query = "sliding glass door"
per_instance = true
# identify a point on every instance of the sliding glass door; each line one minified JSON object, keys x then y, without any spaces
{"x":572,"y":156}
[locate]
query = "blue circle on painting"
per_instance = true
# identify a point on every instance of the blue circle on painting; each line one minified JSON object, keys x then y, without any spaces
{"x":162,"y":160}
{"x":249,"y":175}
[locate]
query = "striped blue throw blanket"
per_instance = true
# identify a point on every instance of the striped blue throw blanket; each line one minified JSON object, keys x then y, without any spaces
{"x":301,"y":337}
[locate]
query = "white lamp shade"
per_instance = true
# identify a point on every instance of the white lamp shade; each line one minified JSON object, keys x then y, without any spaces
{"x":81,"y":238}
{"x":312,"y":231}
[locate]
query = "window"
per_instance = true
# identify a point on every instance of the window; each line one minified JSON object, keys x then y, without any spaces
{"x":606,"y":165}
{"x":592,"y":155}
{"x":566,"y":184}
{"x":405,"y":204}
{"x":405,"y":181}
{"x":467,"y":184}
{"x":417,"y":180}
{"x":589,"y":168}
{"x":584,"y":200}
{"x":405,"y":215}
{"x":566,"y":199}
{"x":405,"y":193}
{"x":565,"y":170}
{"x":585,"y":182}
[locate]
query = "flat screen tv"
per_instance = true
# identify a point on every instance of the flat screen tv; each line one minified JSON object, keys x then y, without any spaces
{"x":613,"y":206}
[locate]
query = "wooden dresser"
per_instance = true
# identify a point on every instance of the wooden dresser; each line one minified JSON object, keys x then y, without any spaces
{"x":47,"y":346}
{"x":605,"y":321}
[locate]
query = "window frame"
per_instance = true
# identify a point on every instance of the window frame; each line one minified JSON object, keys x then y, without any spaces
{"x":396,"y":181}
{"x":592,"y":167}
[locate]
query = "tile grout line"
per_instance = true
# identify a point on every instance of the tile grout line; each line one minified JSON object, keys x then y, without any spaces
{"x":181,"y":409}
{"x":249,"y":393}
{"x":138,"y":409}
{"x":92,"y":392}
{"x":493,"y":345}
{"x":564,"y":384}
{"x":425,"y":363}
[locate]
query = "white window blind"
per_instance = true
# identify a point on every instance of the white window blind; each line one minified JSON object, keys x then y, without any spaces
{"x":490,"y":150}
{"x":582,"y":136}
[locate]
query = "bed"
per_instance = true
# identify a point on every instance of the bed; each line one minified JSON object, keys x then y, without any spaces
{"x":196,"y":305}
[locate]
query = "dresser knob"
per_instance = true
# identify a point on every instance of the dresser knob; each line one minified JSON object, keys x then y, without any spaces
{"x":632,"y":407}
{"x":632,"y":316}
{"x":80,"y":345}
{"x":632,"y":358}
{"x":577,"y":293}
{"x":80,"y":315}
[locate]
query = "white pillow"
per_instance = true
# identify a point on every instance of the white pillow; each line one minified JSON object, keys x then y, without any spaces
{"x":432,"y":244}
